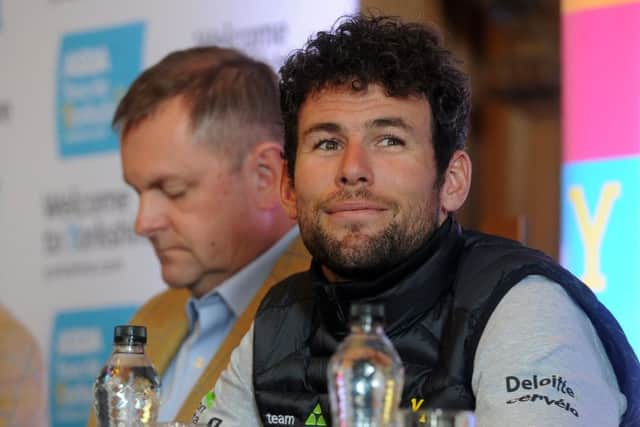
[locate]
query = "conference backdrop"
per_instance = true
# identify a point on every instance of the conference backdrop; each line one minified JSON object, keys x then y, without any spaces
{"x":601,"y":169}
{"x":72,"y":267}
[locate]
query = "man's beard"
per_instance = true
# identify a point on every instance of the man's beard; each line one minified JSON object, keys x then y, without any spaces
{"x":358,"y":256}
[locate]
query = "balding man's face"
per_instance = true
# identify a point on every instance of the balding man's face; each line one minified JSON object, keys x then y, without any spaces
{"x":193,"y":207}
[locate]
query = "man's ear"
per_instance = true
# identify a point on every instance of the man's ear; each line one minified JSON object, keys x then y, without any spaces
{"x":288,"y":194}
{"x":263,"y":167}
{"x":456,"y":183}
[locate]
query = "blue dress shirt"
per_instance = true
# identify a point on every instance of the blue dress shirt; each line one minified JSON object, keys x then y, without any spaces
{"x":210,"y":319}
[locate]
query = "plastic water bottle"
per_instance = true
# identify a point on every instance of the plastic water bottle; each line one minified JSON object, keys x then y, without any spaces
{"x":365,"y":374}
{"x":127,"y":390}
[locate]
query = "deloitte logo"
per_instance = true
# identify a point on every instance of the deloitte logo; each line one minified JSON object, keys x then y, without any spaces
{"x":316,"y":418}
{"x":94,"y":70}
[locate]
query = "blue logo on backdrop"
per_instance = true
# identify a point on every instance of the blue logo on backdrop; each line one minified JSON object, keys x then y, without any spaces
{"x":601,"y":233}
{"x":94,"y":70}
{"x":81,"y":343}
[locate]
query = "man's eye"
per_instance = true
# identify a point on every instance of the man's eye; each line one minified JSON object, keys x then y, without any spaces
{"x":327,"y":145}
{"x":390,"y":141}
{"x":174,"y":193}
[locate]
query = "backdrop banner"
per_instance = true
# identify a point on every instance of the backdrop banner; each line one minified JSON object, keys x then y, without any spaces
{"x":72,"y":267}
{"x":600,"y":239}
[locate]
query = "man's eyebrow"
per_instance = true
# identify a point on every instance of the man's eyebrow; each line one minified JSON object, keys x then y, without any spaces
{"x":383,"y":122}
{"x":328,"y":127}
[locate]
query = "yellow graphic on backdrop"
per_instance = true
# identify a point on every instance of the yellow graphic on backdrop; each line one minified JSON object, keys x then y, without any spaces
{"x":573,"y":6}
{"x":592,"y":229}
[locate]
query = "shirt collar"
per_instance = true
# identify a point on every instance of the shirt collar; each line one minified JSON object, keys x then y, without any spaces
{"x":238,"y":290}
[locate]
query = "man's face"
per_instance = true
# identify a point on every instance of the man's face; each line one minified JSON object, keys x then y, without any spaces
{"x":192,"y":207}
{"x":364,"y":189}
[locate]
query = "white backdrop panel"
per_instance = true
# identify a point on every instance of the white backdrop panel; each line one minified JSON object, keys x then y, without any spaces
{"x":67,"y":251}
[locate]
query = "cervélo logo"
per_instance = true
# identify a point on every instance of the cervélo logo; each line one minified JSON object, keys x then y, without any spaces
{"x":94,"y":70}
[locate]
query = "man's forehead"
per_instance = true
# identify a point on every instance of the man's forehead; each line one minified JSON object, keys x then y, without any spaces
{"x":372,"y":105}
{"x":357,"y":89}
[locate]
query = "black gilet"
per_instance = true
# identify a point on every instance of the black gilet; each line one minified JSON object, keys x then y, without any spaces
{"x":437,"y":304}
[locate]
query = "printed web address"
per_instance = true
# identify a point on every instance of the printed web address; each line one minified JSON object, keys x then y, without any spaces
{"x":81,"y":268}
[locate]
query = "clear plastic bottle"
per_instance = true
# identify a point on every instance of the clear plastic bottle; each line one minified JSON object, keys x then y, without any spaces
{"x":127,"y":390}
{"x":365,"y":374}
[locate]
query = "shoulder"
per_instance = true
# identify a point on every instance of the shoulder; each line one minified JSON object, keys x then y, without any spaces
{"x":539,"y":314}
{"x":16,"y":336}
{"x":293,"y":289}
{"x":535,"y":302}
{"x":489,"y":266}
{"x":14,"y":333}
{"x":21,"y":373}
{"x":297,"y":254}
{"x":295,"y":258}
{"x":486,"y":254}
{"x":532,"y":358}
{"x":283,"y":319}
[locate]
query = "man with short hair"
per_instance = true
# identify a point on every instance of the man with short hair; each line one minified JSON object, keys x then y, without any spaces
{"x":376,"y":118}
{"x":201,"y":144}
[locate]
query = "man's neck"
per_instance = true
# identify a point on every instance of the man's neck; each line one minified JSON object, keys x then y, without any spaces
{"x":207,"y":283}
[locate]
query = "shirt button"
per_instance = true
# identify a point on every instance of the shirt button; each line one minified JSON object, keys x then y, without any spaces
{"x":199,"y":362}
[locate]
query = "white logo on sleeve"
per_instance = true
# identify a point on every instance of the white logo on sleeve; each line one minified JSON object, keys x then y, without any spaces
{"x":280,"y":420}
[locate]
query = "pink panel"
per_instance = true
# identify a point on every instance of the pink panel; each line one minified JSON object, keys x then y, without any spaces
{"x":601,"y":83}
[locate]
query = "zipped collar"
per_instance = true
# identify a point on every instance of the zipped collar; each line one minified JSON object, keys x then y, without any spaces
{"x":403,"y":290}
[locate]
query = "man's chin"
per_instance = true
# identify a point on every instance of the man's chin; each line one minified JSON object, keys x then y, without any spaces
{"x":357,"y":261}
{"x":177,"y":285}
{"x":175,"y":281}
{"x":356,"y":232}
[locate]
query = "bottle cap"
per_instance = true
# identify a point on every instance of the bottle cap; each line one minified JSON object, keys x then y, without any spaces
{"x":129,"y":334}
{"x":373,"y":311}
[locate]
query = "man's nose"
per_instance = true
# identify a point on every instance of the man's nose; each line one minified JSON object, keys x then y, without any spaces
{"x":355,"y":165}
{"x":151,"y":216}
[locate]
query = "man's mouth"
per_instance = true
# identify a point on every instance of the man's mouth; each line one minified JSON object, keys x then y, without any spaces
{"x":354,"y":210}
{"x":354,"y":206}
{"x":166,"y":249}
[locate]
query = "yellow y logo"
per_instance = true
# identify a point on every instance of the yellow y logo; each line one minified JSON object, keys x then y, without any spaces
{"x":592,"y":229}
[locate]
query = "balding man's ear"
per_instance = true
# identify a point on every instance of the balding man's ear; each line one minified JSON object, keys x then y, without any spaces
{"x":456,"y":182}
{"x":264,"y":168}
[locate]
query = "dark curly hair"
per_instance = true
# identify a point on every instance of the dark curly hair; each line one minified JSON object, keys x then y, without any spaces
{"x":405,"y":58}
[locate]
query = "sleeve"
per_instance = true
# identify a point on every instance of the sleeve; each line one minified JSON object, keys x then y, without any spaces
{"x":231,"y":402}
{"x":540,"y":363}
